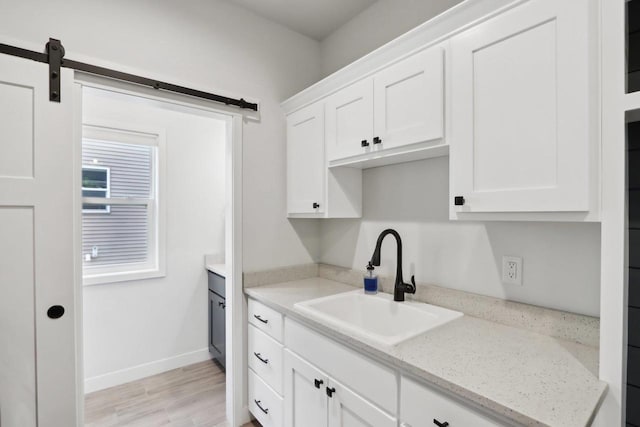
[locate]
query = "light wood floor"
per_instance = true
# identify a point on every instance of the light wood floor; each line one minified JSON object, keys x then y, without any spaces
{"x":191,"y":396}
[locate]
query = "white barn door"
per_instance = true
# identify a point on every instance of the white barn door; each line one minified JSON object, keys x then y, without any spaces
{"x":37,"y":353}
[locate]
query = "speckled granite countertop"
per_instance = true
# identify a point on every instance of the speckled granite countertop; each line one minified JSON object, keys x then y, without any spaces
{"x":529,"y":378}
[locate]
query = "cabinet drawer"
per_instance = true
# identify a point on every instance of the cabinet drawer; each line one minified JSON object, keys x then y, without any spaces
{"x":367,"y":378}
{"x":421,"y":404}
{"x":265,"y":358}
{"x":216,"y":283}
{"x":264,"y":403}
{"x":266,"y":319}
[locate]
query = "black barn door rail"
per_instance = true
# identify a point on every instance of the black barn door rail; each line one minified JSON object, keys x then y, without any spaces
{"x":54,"y":56}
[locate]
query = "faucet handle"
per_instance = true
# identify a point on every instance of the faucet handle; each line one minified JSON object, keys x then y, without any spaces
{"x":413,"y":284}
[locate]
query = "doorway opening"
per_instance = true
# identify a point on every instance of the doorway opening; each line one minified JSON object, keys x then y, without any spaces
{"x":156,"y":200}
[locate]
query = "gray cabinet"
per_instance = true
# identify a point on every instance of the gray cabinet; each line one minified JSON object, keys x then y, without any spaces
{"x":217,"y":317}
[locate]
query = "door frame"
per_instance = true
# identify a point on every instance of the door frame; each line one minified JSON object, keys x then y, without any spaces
{"x":237,"y":411}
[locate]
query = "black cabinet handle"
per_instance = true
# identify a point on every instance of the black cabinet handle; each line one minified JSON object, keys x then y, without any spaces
{"x":316,"y":205}
{"x":318,"y":383}
{"x":265,"y":361}
{"x":265,"y":410}
{"x":257,"y":316}
{"x":364,"y":143}
{"x":439,"y":424}
{"x":221,"y":304}
{"x":458,"y":200}
{"x":330,"y":391}
{"x":377,"y":140}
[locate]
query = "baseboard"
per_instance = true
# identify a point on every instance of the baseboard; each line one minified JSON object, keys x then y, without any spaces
{"x":123,"y":376}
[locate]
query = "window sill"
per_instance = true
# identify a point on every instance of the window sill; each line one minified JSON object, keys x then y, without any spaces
{"x":122,"y":276}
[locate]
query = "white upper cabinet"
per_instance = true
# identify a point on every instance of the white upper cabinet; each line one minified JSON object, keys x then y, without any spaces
{"x":313,"y":191}
{"x":349,"y":122}
{"x":512,"y":98}
{"x":520,"y":107}
{"x":370,"y":121}
{"x":409,"y":101}
{"x":306,"y":166}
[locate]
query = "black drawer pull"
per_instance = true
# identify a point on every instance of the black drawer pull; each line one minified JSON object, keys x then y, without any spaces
{"x":265,"y":410}
{"x":377,"y":140}
{"x":257,"y":316}
{"x":364,"y":143}
{"x":458,"y":201}
{"x":439,"y":424}
{"x":330,"y":391}
{"x":318,"y":383}
{"x":265,"y":361}
{"x":316,"y":205}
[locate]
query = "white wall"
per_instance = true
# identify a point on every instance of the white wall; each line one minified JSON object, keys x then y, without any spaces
{"x":210,"y":45}
{"x":378,"y":24}
{"x":561,"y":260}
{"x":138,"y":322}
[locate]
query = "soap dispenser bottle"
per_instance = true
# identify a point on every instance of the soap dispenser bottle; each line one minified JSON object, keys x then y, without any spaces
{"x":370,"y":281}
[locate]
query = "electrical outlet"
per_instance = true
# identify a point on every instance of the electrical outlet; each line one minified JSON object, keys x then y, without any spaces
{"x":94,"y":252}
{"x":512,"y":270}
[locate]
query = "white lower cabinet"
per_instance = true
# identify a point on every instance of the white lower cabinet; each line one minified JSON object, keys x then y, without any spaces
{"x":421,"y":405}
{"x":265,"y":358}
{"x":374,"y":381}
{"x":264,"y":403}
{"x":303,"y":378}
{"x":313,"y":399}
{"x":305,"y":402}
{"x":347,"y":409}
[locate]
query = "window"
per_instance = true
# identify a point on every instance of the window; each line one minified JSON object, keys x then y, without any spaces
{"x":95,"y":183}
{"x":122,"y":221}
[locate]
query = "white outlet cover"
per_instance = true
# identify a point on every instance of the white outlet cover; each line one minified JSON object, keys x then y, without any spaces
{"x":512,"y":270}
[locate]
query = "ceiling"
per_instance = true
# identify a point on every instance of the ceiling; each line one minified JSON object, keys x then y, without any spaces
{"x":313,"y":18}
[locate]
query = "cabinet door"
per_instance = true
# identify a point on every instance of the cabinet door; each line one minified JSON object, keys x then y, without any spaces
{"x":306,"y":165}
{"x":305,"y":397}
{"x":409,"y":100}
{"x":212,"y":309}
{"x":217,"y":326}
{"x":347,"y":409}
{"x":520,"y":110}
{"x":349,"y":114}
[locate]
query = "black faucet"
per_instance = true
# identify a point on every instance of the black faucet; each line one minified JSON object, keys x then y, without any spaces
{"x":400,"y":288}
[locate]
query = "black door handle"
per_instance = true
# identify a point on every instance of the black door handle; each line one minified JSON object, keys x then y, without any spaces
{"x":265,"y":410}
{"x":439,"y":424}
{"x":221,"y":304}
{"x":318,"y":383}
{"x":265,"y":361}
{"x":257,"y":316}
{"x":330,"y":391}
{"x":377,"y":140}
{"x":55,"y":311}
{"x":316,"y":205}
{"x":364,"y":143}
